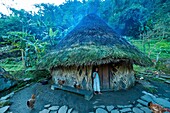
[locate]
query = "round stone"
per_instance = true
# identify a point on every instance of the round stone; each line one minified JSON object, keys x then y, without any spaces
{"x":63,"y":109}
{"x":47,"y":106}
{"x":100,"y":110}
{"x":53,"y":108}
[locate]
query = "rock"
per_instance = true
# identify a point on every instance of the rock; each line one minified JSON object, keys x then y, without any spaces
{"x":75,"y":111}
{"x":53,"y":111}
{"x":63,"y":109}
{"x":162,"y":102}
{"x":4,"y":109}
{"x":146,"y":109}
{"x":27,"y":79}
{"x":95,"y":102}
{"x":5,"y":83}
{"x":100,"y":110}
{"x":137,"y":110}
{"x":52,"y":87}
{"x":28,"y":85}
{"x":125,"y":106}
{"x":53,"y":108}
{"x":109,"y":108}
{"x":47,"y":106}
{"x":101,"y":106}
{"x":139,"y":105}
{"x":69,"y":111}
{"x":147,"y":98}
{"x":165,"y":76}
{"x":142,"y":102}
{"x":7,"y":96}
{"x":115,"y":111}
{"x":146,"y":84}
{"x":162,"y":79}
{"x":146,"y":93}
{"x":167,"y":81}
{"x":45,"y":111}
{"x":126,"y":110}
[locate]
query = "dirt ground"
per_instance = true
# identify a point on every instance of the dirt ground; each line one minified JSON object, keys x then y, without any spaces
{"x":44,"y":95}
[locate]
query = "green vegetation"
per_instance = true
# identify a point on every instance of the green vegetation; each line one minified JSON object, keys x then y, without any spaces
{"x":151,"y":89}
{"x":25,"y":37}
{"x":5,"y":103}
{"x":154,"y":48}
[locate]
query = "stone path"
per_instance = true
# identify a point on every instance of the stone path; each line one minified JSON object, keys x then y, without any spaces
{"x":138,"y":106}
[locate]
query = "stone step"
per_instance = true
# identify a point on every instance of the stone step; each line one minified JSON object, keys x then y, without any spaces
{"x":53,"y":108}
{"x":109,"y":108}
{"x":160,"y":78}
{"x":165,"y":76}
{"x":115,"y":111}
{"x":101,"y":110}
{"x":100,"y":106}
{"x":125,"y":110}
{"x":63,"y":109}
{"x":4,"y":109}
{"x":146,"y":109}
{"x":147,"y":98}
{"x":124,"y":106}
{"x":69,"y":111}
{"x":142,"y":102}
{"x":167,"y":81}
{"x":137,"y":110}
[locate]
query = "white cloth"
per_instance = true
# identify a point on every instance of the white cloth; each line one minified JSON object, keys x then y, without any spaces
{"x":96,"y":82}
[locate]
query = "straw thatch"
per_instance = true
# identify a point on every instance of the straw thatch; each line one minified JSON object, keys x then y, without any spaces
{"x":93,"y":42}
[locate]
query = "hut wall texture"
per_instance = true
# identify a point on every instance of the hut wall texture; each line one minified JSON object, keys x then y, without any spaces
{"x":122,"y":76}
{"x":81,"y":75}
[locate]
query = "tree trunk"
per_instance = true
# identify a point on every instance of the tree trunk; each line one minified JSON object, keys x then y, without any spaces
{"x":23,"y":61}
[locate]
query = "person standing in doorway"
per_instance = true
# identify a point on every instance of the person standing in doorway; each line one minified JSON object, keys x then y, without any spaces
{"x":96,"y":82}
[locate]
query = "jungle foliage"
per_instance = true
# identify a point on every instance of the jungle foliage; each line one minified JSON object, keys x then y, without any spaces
{"x":33,"y":34}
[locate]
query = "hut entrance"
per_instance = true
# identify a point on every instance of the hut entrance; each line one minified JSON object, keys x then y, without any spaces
{"x":104,"y":77}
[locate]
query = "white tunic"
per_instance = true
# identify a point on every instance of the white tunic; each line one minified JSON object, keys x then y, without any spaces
{"x":96,"y":82}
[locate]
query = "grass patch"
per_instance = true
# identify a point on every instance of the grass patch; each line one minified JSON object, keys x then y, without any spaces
{"x":151,"y":89}
{"x":157,"y":50}
{"x":5,"y":103}
{"x":9,"y":64}
{"x":18,"y":72}
{"x":153,"y":47}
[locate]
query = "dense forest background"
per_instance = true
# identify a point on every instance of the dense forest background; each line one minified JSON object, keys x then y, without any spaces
{"x":26,"y":36}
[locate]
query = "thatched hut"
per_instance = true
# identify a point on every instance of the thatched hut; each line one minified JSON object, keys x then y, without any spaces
{"x":93,"y":43}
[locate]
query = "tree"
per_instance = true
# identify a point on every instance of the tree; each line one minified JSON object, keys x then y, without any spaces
{"x":27,"y":44}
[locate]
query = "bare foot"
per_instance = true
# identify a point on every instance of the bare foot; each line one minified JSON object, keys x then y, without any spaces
{"x":95,"y":93}
{"x":100,"y":93}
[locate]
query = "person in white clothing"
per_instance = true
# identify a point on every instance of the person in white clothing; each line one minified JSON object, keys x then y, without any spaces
{"x":96,"y":82}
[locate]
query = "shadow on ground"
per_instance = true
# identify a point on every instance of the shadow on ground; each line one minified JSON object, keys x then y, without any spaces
{"x":44,"y":95}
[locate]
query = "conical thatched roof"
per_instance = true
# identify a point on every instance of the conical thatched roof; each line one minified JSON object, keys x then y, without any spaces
{"x":92,"y":41}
